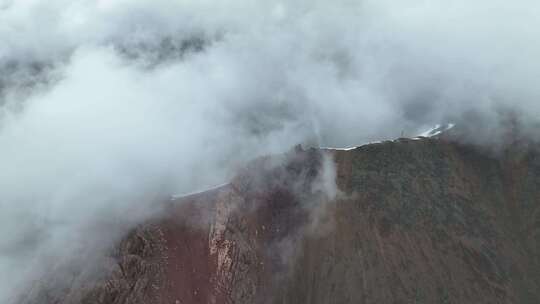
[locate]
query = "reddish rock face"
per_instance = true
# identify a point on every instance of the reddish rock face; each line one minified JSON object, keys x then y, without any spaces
{"x":416,"y":221}
{"x":218,"y":245}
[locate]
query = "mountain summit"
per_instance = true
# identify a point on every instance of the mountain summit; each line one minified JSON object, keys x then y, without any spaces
{"x":424,"y":220}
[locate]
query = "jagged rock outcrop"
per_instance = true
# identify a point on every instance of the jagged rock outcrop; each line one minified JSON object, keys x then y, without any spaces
{"x":414,"y":221}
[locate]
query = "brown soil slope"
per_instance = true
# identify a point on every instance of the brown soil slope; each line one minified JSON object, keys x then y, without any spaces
{"x":417,"y":221}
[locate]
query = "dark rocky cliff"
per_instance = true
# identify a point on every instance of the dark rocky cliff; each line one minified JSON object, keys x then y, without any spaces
{"x":416,"y":221}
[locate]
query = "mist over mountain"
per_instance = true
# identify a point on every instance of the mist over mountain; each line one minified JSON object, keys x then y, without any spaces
{"x":108,"y":107}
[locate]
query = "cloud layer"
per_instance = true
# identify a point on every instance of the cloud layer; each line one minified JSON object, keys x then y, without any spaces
{"x":107,"y":105}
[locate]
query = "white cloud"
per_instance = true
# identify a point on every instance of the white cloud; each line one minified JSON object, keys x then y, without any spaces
{"x":141,"y":98}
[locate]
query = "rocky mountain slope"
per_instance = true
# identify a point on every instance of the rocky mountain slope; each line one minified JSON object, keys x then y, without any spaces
{"x":411,"y":221}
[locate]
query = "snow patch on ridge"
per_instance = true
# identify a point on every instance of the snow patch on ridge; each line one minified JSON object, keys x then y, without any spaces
{"x":182,"y":195}
{"x":350,"y":148}
{"x":436,"y":130}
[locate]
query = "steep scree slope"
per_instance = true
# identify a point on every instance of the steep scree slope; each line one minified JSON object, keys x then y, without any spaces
{"x":416,"y":221}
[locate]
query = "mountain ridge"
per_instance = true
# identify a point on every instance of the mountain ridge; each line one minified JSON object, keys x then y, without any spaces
{"x":424,"y":220}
